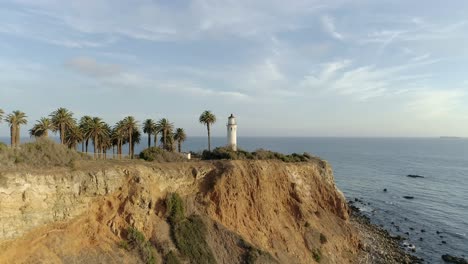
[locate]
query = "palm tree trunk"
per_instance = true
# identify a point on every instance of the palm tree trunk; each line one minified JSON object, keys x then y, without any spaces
{"x":130,"y":143}
{"x":95,"y":146}
{"x":17,"y":137}
{"x":46,"y":133}
{"x":120,"y":149}
{"x":209,"y":136}
{"x":156,"y":139}
{"x":180,"y":145}
{"x":165,"y":139}
{"x":12,"y":136}
{"x":82,"y":146}
{"x":87,"y":142}
{"x":149,"y":140}
{"x":62,"y":133}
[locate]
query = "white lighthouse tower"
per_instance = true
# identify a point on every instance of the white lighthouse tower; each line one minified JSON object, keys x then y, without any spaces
{"x":232,"y":133}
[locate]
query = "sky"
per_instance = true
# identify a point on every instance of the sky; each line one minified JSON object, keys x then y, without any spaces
{"x":360,"y":68}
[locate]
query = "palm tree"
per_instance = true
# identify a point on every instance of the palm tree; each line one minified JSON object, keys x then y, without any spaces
{"x":84,"y":124}
{"x":96,"y":130}
{"x":105,"y":140}
{"x":73,"y":136}
{"x":41,"y":128}
{"x":130,"y":124}
{"x":16,"y":119}
{"x":180,"y":137}
{"x":118,"y":135}
{"x":62,"y":119}
{"x":207,"y":118}
{"x":149,"y":127}
{"x":166,"y":128}
{"x":136,"y":137}
{"x":1,"y":115}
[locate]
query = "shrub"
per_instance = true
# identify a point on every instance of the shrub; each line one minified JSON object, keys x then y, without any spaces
{"x":171,"y":258}
{"x":317,"y":254}
{"x":189,"y":237}
{"x":323,"y":238}
{"x":188,"y":233}
{"x":260,"y":154}
{"x":3,"y":146}
{"x":137,"y":241}
{"x":124,"y":244}
{"x":174,"y":208}
{"x":41,"y":153}
{"x":160,"y":155}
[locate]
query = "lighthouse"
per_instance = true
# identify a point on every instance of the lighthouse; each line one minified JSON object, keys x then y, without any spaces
{"x":232,"y":133}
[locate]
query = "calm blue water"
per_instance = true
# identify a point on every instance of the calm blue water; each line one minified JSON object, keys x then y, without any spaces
{"x":363,"y":167}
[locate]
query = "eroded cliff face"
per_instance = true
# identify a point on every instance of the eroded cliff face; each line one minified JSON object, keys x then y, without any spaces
{"x":289,"y":211}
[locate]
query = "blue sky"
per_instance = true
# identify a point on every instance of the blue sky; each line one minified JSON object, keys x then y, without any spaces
{"x":285,"y":68}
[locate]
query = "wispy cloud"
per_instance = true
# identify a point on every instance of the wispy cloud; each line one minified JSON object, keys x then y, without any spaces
{"x":89,"y":66}
{"x":435,"y":104}
{"x":364,"y":82}
{"x":328,"y":25}
{"x":421,"y":58}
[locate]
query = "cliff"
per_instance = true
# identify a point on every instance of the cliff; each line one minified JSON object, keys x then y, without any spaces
{"x":249,"y":212}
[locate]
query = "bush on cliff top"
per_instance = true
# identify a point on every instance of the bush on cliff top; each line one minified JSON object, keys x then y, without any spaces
{"x":41,"y":153}
{"x":260,"y":154}
{"x":160,"y":155}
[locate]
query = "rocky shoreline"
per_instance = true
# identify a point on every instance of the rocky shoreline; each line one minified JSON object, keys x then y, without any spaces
{"x":377,"y":245}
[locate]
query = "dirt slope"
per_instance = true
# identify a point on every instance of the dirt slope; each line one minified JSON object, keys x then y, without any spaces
{"x":252,"y":212}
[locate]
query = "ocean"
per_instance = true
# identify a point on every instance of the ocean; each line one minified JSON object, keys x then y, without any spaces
{"x":436,"y":219}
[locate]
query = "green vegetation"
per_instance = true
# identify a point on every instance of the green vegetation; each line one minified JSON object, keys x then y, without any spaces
{"x":260,"y":154}
{"x":136,"y":240}
{"x":124,"y":244}
{"x":171,"y":258}
{"x":189,"y":234}
{"x":62,"y":119}
{"x":42,"y":153}
{"x":3,"y":147}
{"x":15,"y":120}
{"x":317,"y":254}
{"x":149,"y":127}
{"x":208,"y":118}
{"x":253,"y":254}
{"x":174,"y":208}
{"x":41,"y":128}
{"x":103,"y":136}
{"x":160,"y":155}
{"x":323,"y":238}
{"x":189,"y":237}
{"x":166,"y":129}
{"x":180,"y":137}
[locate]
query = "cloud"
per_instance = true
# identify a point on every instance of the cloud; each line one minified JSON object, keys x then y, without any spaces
{"x":155,"y":21}
{"x":436,"y":104}
{"x":421,"y":58}
{"x":364,"y":82}
{"x":328,"y":25}
{"x":89,"y":66}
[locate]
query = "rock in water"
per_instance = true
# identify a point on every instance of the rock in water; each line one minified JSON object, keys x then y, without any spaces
{"x":414,"y":176}
{"x":451,"y":259}
{"x":408,"y":197}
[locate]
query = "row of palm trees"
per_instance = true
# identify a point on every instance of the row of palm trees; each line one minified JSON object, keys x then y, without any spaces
{"x":103,"y":136}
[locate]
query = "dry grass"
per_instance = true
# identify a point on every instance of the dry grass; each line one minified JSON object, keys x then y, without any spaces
{"x":42,"y":153}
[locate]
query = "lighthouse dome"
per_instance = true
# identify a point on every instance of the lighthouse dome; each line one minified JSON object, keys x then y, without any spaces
{"x":232,"y":120}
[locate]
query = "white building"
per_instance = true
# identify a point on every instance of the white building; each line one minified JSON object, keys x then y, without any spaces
{"x":232,"y":132}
